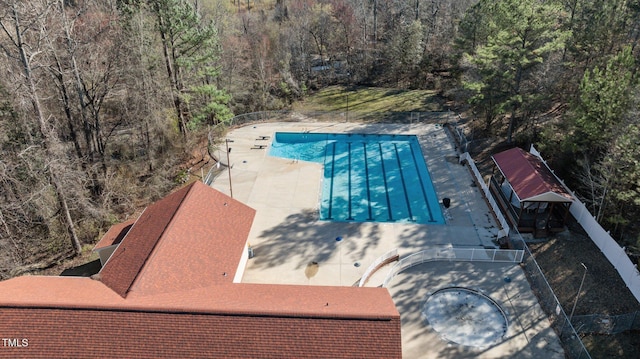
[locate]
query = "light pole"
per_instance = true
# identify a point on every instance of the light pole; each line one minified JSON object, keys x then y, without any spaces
{"x":226,"y":142}
{"x":339,"y":240}
{"x":579,"y":290}
{"x":347,"y":107}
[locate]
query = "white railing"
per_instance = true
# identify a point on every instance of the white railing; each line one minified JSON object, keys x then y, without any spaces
{"x":607,"y":245}
{"x":455,"y":254}
{"x":487,"y":195}
{"x":382,"y":260}
{"x":213,"y":173}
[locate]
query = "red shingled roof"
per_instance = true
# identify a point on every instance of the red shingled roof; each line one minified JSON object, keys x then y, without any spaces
{"x":530,"y":178}
{"x":59,"y":333}
{"x":186,"y":240}
{"x":115,"y":234}
{"x":79,"y":317}
{"x":163,"y":294}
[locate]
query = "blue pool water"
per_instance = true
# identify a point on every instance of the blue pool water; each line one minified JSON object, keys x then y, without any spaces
{"x":380,"y":178}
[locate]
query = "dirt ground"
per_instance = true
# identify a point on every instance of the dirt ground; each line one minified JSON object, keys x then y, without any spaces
{"x":603,"y":291}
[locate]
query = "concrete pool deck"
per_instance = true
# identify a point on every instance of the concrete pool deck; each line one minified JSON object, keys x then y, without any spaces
{"x":287,"y":236}
{"x":292,"y":246}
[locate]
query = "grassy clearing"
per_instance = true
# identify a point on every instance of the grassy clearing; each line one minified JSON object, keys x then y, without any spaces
{"x":370,"y":102}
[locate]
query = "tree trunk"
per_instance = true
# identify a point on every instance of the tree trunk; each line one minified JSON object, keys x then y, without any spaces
{"x":62,"y":198}
{"x":66,"y":104}
{"x":516,"y":93}
{"x":171,"y":73}
{"x":375,"y":22}
{"x":88,"y":130}
{"x":49,"y":140}
{"x":512,"y":120}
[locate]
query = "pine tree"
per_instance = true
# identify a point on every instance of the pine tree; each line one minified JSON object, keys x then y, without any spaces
{"x":190,"y":50}
{"x":603,"y":101}
{"x":605,"y":137}
{"x":515,"y":37}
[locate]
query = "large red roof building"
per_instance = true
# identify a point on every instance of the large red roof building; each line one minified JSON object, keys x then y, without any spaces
{"x":170,"y":287}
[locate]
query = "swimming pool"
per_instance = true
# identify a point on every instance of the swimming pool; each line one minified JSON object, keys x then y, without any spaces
{"x":379,"y":178}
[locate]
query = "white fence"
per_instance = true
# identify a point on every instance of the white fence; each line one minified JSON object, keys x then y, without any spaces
{"x":487,"y":195}
{"x":376,"y":265}
{"x":608,"y":246}
{"x":454,"y":254}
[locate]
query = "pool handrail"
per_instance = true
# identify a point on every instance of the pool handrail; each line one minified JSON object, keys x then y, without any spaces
{"x":450,"y":254}
{"x":390,"y":256}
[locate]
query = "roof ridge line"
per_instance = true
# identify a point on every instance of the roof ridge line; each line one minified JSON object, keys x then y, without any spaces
{"x":543,"y":163}
{"x":262,"y":314}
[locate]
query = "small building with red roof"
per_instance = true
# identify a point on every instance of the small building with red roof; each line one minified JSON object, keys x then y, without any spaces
{"x":532,"y":198}
{"x":170,"y":287}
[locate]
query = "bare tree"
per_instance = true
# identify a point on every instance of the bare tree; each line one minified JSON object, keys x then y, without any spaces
{"x":22,"y":22}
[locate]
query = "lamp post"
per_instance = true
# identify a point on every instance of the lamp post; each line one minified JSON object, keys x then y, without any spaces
{"x":579,"y":290}
{"x":347,"y":107}
{"x":226,"y":142}
{"x":339,"y":240}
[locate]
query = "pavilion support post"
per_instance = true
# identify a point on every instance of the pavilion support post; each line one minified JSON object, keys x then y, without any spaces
{"x":551,"y":206}
{"x":519,"y":212}
{"x":566,"y":212}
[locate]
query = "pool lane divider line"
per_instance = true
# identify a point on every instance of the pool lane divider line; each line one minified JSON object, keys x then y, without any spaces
{"x":333,"y":169}
{"x":404,"y":184}
{"x":350,"y":218}
{"x":366,"y":176}
{"x":424,"y":193}
{"x":386,"y":186}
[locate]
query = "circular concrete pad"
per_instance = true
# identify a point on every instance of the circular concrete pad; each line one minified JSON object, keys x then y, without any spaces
{"x":466,"y":317}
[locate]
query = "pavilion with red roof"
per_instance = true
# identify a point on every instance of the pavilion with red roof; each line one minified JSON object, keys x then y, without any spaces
{"x":532,"y":198}
{"x":170,"y":286}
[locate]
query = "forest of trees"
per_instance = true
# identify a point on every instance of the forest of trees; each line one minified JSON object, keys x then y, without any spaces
{"x":101,"y":101}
